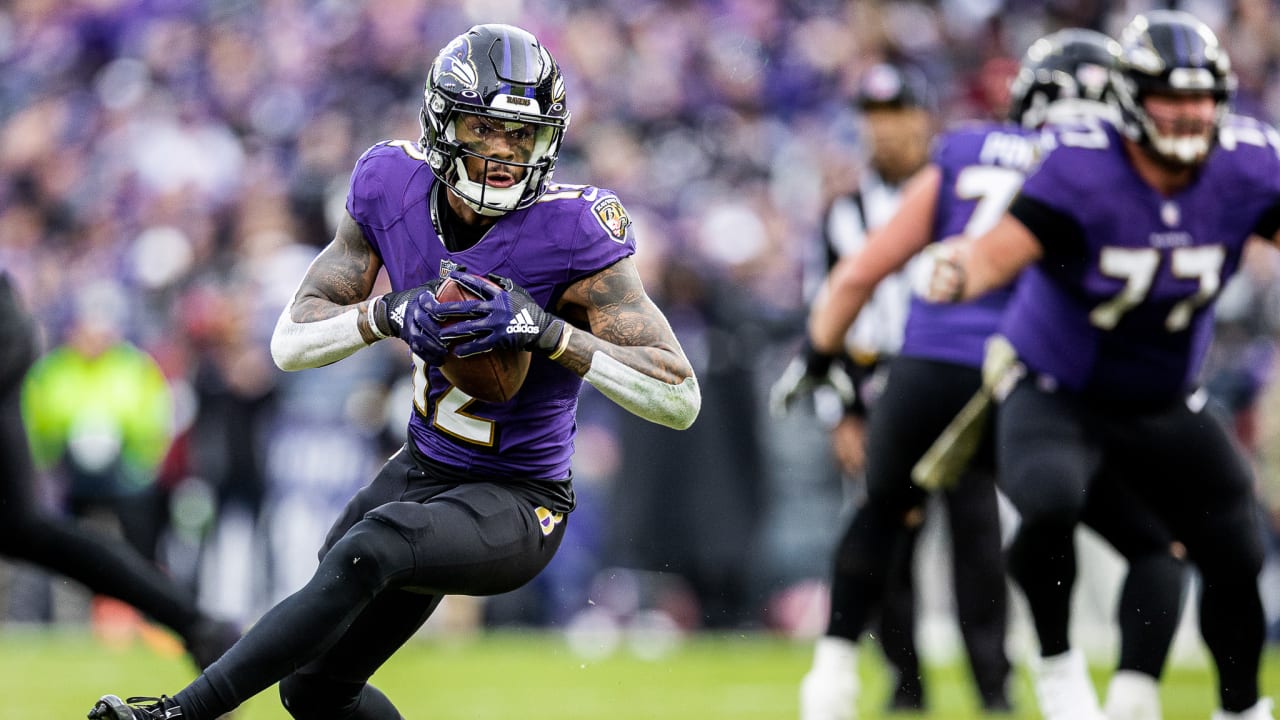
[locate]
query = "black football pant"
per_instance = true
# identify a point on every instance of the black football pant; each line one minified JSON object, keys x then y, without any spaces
{"x":406,"y":540}
{"x":30,"y":534}
{"x":971,"y":505}
{"x":1153,"y":590}
{"x":920,"y":399}
{"x":1183,"y":465}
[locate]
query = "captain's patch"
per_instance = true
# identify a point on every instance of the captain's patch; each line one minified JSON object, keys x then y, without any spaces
{"x":612,"y":217}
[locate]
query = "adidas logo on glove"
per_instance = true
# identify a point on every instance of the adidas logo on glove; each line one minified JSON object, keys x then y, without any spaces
{"x":397,"y":313}
{"x":522,"y":323}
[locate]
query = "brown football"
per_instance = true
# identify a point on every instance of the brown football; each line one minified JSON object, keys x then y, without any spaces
{"x":492,"y":376}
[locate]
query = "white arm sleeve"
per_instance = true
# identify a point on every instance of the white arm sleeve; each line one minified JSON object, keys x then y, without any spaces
{"x":298,"y":346}
{"x":675,"y":406}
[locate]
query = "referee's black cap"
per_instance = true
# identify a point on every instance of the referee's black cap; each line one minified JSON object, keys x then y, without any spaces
{"x":887,"y":85}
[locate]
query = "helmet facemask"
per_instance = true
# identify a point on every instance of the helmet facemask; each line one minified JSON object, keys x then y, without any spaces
{"x":1174,"y":150}
{"x":1171,"y":53}
{"x":448,"y":157}
{"x":503,"y":75}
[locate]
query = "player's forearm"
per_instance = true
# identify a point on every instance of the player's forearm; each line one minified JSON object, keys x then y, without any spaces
{"x":978,"y":280}
{"x":330,"y":316}
{"x":655,"y":383}
{"x":994,"y":259}
{"x":308,"y":335}
{"x":673,"y":405}
{"x":978,"y":274}
{"x":834,"y":310}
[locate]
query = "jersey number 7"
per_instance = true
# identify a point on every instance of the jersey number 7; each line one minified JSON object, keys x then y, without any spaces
{"x":1137,"y":268}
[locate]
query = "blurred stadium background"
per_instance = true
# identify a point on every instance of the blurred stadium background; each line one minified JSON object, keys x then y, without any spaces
{"x":168,"y":168}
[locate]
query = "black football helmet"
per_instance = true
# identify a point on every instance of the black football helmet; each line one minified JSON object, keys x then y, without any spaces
{"x":1170,"y":52}
{"x":500,"y":72}
{"x":1063,"y":75}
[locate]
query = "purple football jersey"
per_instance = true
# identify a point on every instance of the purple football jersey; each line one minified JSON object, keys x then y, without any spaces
{"x":571,"y":232}
{"x":1127,"y":314}
{"x":982,"y":165}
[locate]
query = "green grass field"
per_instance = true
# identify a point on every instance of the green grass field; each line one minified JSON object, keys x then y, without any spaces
{"x":57,"y":675}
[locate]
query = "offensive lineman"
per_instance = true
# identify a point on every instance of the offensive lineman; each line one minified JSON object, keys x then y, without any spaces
{"x":1123,"y":243}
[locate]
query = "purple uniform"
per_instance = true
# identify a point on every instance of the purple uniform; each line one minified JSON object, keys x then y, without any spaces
{"x":935,"y":373}
{"x":983,"y":165}
{"x":1120,"y":305}
{"x":571,"y":232}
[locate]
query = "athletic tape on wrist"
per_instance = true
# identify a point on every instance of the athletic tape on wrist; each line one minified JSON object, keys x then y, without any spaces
{"x":373,"y":323}
{"x":564,"y":342}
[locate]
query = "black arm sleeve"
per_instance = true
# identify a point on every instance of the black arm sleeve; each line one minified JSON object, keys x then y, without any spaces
{"x":1057,"y":232}
{"x":1269,"y":223}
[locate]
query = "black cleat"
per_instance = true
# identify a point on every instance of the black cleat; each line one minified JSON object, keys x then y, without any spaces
{"x":111,"y":707}
{"x":997,"y":705}
{"x":908,"y":696}
{"x":210,"y":639}
{"x":995,"y":698}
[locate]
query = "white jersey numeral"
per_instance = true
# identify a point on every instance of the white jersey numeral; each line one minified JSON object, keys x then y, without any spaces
{"x":1202,"y":263}
{"x":450,"y":413}
{"x":1137,"y":268}
{"x":410,"y":148}
{"x":994,"y":188}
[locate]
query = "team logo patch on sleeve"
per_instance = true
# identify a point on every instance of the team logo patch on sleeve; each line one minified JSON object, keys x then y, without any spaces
{"x":547,"y":520}
{"x":612,"y":217}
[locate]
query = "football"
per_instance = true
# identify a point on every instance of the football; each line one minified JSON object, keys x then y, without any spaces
{"x":493,"y":376}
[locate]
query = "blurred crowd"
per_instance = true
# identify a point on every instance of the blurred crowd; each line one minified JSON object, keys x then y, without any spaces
{"x":168,"y":168}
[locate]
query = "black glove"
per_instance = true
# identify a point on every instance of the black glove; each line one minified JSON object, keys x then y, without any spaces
{"x":807,"y":371}
{"x":507,"y":316}
{"x":390,"y":310}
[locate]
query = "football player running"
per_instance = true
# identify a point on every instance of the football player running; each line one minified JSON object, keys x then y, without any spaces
{"x":1123,"y":246}
{"x":897,"y":109}
{"x":477,"y":500}
{"x":975,"y":172}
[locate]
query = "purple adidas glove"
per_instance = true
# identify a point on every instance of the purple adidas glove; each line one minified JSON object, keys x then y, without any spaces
{"x":506,"y":316}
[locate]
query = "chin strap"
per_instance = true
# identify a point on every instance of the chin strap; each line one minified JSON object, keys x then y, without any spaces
{"x":497,"y":201}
